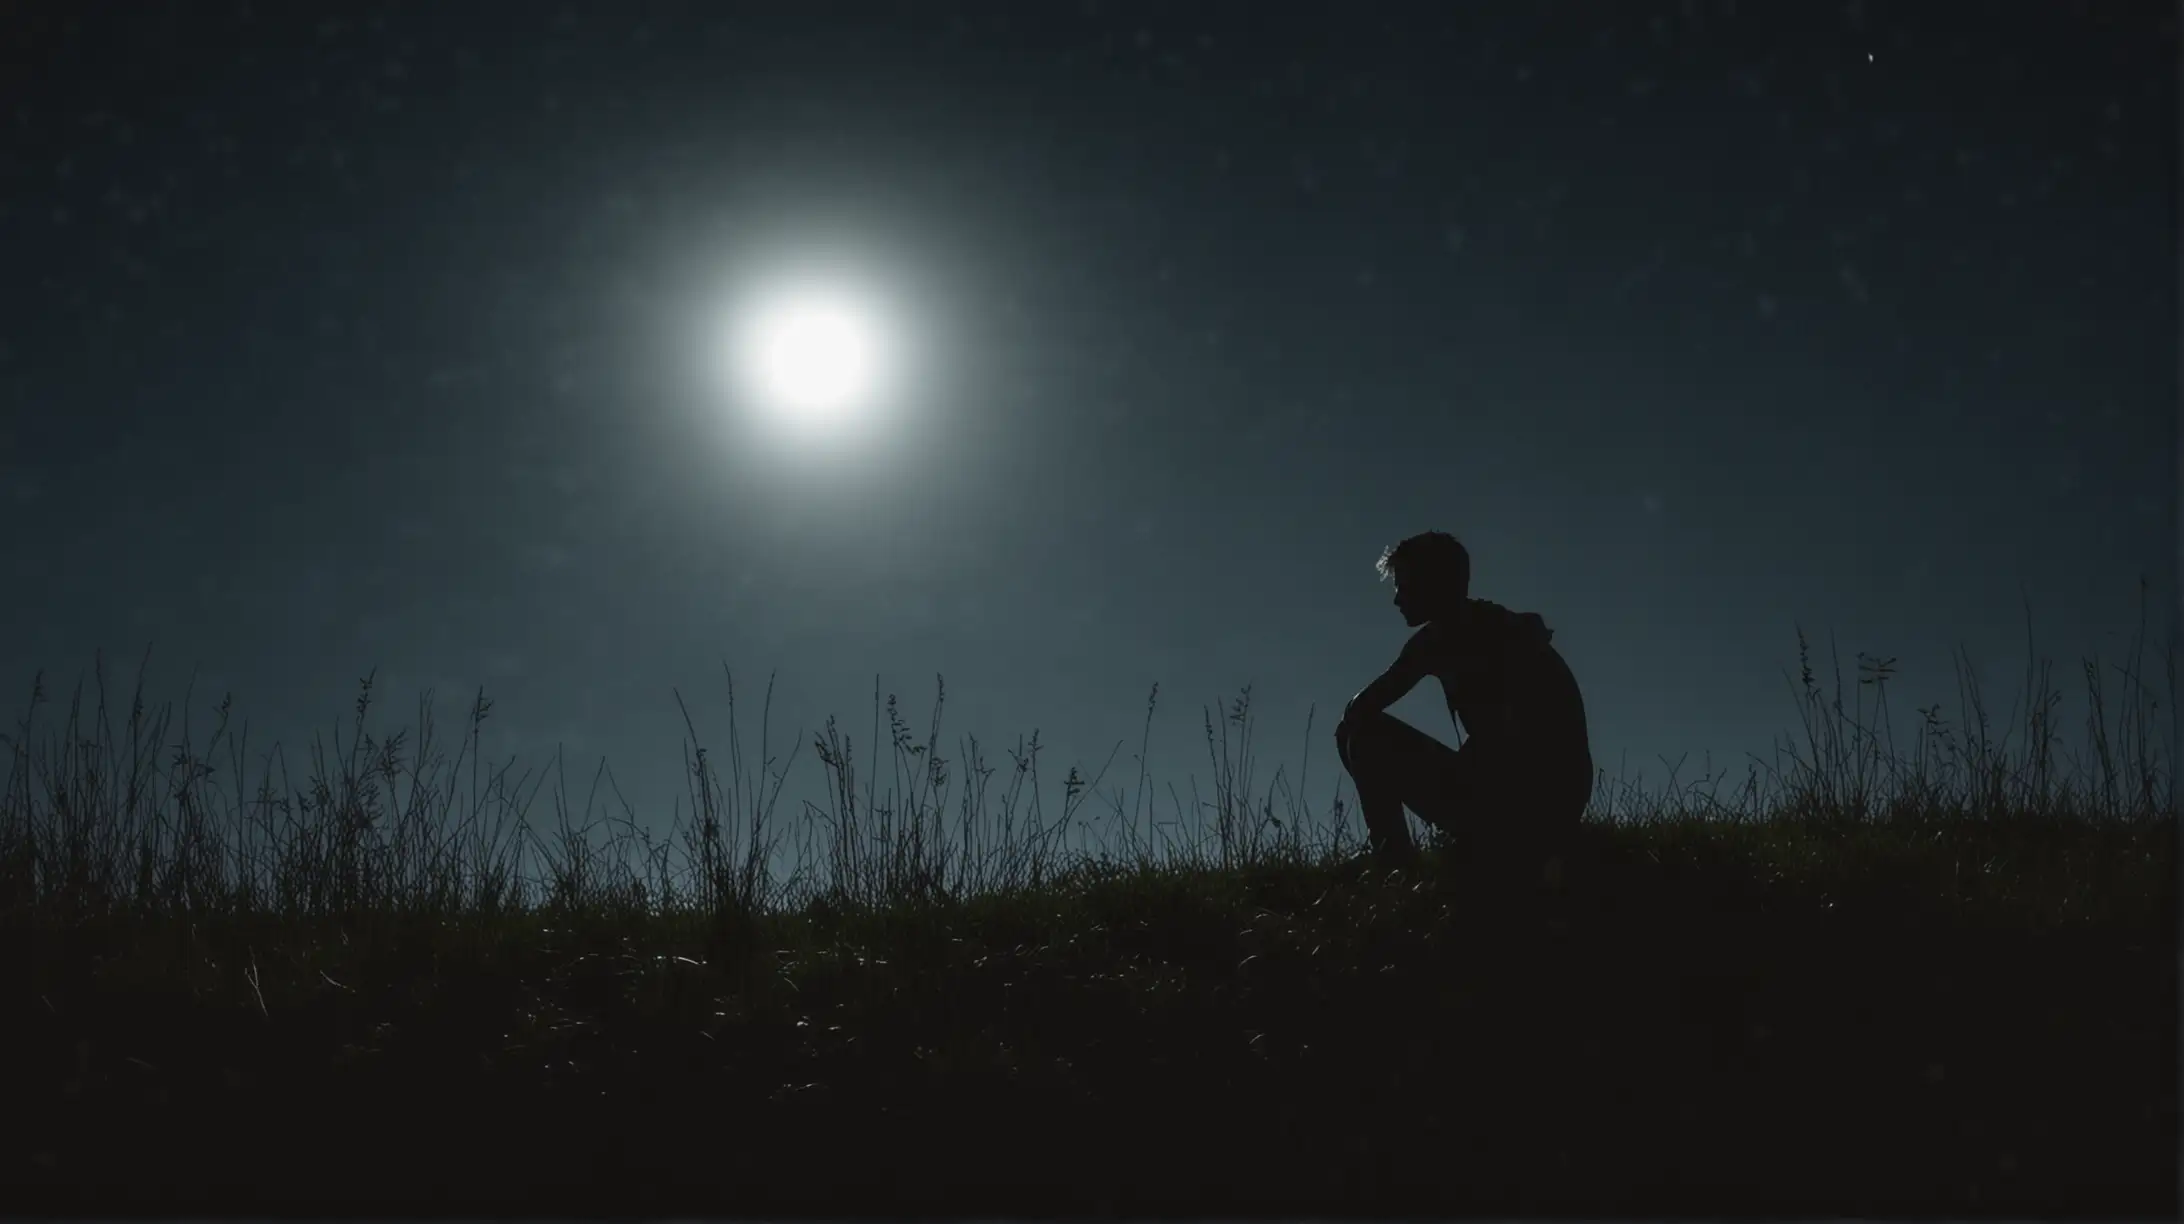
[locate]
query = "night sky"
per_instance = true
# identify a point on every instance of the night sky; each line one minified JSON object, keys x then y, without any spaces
{"x":342,"y":338}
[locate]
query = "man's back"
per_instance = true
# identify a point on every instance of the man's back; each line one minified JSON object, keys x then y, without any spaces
{"x":1506,"y":683}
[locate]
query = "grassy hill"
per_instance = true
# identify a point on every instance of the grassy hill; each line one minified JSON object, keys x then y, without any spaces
{"x":1872,"y":980}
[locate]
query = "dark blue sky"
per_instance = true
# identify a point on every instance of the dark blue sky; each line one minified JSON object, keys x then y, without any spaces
{"x":369,"y":339}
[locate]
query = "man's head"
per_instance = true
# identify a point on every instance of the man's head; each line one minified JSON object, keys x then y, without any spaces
{"x":1432,"y":575}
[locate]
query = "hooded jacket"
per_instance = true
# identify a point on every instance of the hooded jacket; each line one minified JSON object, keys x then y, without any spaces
{"x":1506,"y":684}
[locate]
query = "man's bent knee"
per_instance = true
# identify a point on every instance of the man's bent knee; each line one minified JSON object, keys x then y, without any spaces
{"x":1365,"y":726}
{"x":1355,"y":737}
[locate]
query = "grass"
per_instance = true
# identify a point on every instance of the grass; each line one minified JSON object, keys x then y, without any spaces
{"x":1868,"y":978}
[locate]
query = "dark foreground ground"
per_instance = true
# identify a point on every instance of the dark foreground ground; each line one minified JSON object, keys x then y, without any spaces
{"x":1655,"y":1039}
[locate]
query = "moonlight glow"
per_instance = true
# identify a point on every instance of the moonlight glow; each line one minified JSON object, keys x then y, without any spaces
{"x":813,"y":357}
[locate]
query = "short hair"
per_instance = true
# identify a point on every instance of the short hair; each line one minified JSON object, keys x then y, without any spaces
{"x":1436,"y":557}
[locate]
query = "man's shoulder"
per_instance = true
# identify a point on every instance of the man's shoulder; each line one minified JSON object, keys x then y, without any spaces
{"x":1483,"y":627}
{"x":1436,"y":641}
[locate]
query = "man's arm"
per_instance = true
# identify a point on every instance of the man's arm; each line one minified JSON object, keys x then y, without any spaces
{"x":1392,"y":685}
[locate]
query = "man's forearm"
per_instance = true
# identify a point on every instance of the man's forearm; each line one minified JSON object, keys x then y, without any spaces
{"x":1366,"y":704}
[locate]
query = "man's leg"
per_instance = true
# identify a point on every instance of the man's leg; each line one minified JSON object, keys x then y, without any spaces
{"x":1519,"y":813}
{"x":1393,"y":764}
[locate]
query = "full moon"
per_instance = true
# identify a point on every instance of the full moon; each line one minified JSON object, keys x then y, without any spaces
{"x":813,"y":356}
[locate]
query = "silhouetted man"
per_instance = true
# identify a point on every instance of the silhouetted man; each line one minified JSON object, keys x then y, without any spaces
{"x":1519,"y":784}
